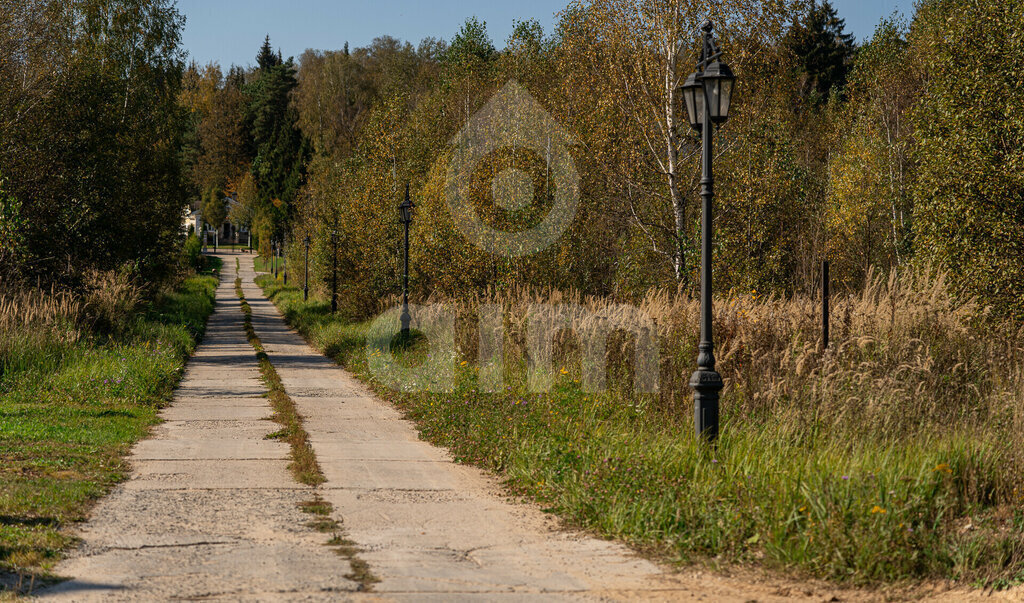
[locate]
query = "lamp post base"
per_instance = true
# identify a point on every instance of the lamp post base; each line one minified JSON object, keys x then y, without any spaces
{"x":706,"y":384}
{"x":406,"y":321}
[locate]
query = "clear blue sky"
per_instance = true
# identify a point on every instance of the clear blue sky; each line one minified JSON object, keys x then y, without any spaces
{"x":231,"y":31}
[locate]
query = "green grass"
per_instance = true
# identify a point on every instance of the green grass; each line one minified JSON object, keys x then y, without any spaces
{"x":66,"y":423}
{"x":855,"y":509}
{"x":267,"y":265}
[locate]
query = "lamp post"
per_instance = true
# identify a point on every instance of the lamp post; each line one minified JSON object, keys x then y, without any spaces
{"x":284,"y":260}
{"x":273,"y":255}
{"x":405,"y":217}
{"x":824,"y":304}
{"x":707,"y":93}
{"x":334,"y":271}
{"x":305,"y":279}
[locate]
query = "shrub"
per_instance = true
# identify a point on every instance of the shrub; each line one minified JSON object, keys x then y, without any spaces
{"x":192,"y":255}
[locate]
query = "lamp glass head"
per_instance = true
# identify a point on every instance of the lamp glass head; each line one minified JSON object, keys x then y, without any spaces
{"x":693,"y":95}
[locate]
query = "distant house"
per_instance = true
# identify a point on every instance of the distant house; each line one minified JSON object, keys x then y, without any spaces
{"x":228,"y":233}
{"x":191,"y":220}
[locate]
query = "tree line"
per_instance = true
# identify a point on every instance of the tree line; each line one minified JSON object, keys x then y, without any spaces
{"x":901,"y":150}
{"x":904,"y":149}
{"x":91,"y":133}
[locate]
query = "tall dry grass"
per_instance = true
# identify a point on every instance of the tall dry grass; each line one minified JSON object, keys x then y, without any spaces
{"x":111,"y":298}
{"x":906,"y":354}
{"x":31,"y":307}
{"x":37,"y":327}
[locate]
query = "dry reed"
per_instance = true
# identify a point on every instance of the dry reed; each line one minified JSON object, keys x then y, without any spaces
{"x":906,"y":354}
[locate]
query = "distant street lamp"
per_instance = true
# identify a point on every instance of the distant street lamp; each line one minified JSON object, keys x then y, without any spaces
{"x":334,"y":270}
{"x":708,"y":94}
{"x":405,"y":217}
{"x":305,"y":279}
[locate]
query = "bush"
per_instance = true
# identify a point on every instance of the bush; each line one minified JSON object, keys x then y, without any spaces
{"x":12,"y":239}
{"x":192,"y":255}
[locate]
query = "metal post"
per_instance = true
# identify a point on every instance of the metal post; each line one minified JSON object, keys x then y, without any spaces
{"x":406,"y":318}
{"x":215,"y":241}
{"x":273,"y":256}
{"x":706,"y":382}
{"x":284,"y":261}
{"x":824,"y":304}
{"x":305,"y":279}
{"x":334,"y":272}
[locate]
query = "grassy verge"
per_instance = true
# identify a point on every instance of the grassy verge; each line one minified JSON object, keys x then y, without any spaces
{"x":70,"y":412}
{"x":267,"y":265}
{"x":812,"y":497}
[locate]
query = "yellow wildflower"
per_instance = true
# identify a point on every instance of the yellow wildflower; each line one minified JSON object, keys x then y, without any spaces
{"x":877,"y":509}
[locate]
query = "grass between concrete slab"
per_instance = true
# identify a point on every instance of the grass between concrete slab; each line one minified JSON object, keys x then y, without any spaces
{"x":69,"y":415}
{"x":323,"y":522}
{"x":304,"y":465}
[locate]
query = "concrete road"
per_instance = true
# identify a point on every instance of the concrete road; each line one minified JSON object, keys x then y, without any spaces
{"x":433,"y":530}
{"x":211,"y":510}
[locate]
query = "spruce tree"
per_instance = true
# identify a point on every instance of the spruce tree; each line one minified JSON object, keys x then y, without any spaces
{"x":823,"y":49}
{"x":279,"y":147}
{"x":266,"y":57}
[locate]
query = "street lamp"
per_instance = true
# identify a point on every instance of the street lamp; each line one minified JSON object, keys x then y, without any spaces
{"x":334,"y":270}
{"x":405,"y":217}
{"x":284,"y":260}
{"x":305,"y":279}
{"x":708,"y":94}
{"x":274,"y":257}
